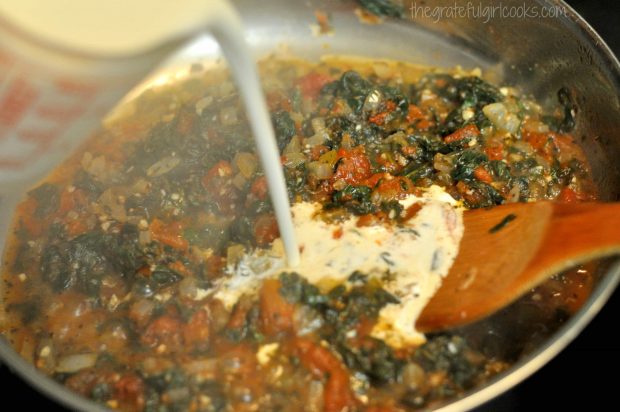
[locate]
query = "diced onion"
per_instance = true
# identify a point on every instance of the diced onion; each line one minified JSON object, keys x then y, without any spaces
{"x":203,"y":104}
{"x":442,"y":163}
{"x":163,"y":166}
{"x":536,"y":126}
{"x":373,"y":100}
{"x":316,"y":140}
{"x":206,"y":366}
{"x":413,"y":376}
{"x":234,"y":253}
{"x":188,"y":288}
{"x":293,"y":146}
{"x":74,"y":363}
{"x":246,"y":163}
{"x":306,"y":320}
{"x":320,"y":170}
{"x":141,"y":310}
{"x":293,"y":160}
{"x":501,"y":117}
{"x":318,"y":125}
{"x":228,"y":116}
{"x":384,"y":70}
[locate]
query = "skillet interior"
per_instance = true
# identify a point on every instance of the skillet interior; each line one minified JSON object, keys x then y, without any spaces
{"x":539,"y":58}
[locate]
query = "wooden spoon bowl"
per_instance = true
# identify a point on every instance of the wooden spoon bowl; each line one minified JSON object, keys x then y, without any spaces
{"x":508,"y":250}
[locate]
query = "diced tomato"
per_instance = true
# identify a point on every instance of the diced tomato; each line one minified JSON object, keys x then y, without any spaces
{"x":337,"y":234}
{"x":197,"y":331}
{"x":373,"y":180}
{"x":388,"y":163}
{"x":395,"y":188}
{"x":168,"y":234}
{"x":473,"y":197}
{"x":495,"y":152}
{"x":568,"y":195}
{"x":266,"y":229}
{"x":214,"y":265}
{"x":323,"y":20}
{"x":275,"y":311}
{"x":409,"y":150}
{"x":129,"y":391}
{"x":259,"y":188}
{"x":239,"y":314}
{"x":414,"y":113}
{"x":221,"y":169}
{"x":85,"y":380}
{"x":71,"y":201}
{"x":411,"y":211}
{"x":538,"y":140}
{"x":353,"y":166}
{"x":76,"y":227}
{"x":185,"y":123}
{"x":180,"y":268}
{"x":424,"y":124}
{"x":218,"y":185}
{"x":567,"y":149}
{"x":322,"y":362}
{"x":165,"y":330}
{"x":379,"y":118}
{"x":552,"y":145}
{"x":312,"y":83}
{"x":240,"y":365}
{"x":469,"y":131}
{"x":482,"y":174}
{"x":279,"y":101}
{"x":28,"y":217}
{"x":367,"y":220}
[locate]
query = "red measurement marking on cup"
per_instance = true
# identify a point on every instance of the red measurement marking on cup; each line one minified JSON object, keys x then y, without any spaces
{"x":42,"y":119}
{"x":68,"y":86}
{"x":15,"y":102}
{"x":6,"y":61}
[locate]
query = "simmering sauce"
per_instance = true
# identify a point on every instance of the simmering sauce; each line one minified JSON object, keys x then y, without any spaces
{"x":147,"y":272}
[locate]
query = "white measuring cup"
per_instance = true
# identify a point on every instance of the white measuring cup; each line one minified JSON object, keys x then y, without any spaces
{"x":64,"y":64}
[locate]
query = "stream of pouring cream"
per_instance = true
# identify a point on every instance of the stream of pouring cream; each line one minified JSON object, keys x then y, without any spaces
{"x":126,"y":27}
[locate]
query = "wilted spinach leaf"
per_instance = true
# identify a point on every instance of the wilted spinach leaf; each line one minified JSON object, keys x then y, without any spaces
{"x":382,"y":8}
{"x":48,"y":199}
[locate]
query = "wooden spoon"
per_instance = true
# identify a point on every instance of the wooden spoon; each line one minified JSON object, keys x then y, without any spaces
{"x":508,"y":250}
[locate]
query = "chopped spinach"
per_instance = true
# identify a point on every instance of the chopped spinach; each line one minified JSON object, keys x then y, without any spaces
{"x":448,"y":354}
{"x":296,"y":289}
{"x":48,"y":199}
{"x":164,"y":276}
{"x":84,"y":260}
{"x":88,"y":184}
{"x":356,"y":199}
{"x":284,"y":128}
{"x":386,"y":8}
{"x":466,"y":162}
{"x":351,"y":87}
{"x":28,"y":310}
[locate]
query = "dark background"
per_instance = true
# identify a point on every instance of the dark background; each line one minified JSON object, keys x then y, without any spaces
{"x":583,"y":376}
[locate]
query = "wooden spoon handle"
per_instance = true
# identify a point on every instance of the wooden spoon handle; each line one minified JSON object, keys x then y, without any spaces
{"x":577,"y":233}
{"x":496,"y":265}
